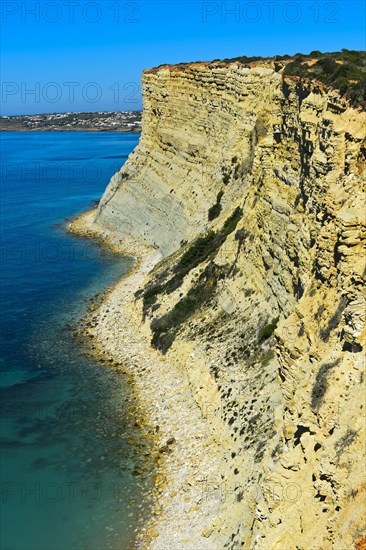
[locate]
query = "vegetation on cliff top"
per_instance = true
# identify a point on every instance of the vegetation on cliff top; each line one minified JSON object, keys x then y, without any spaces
{"x":344,"y":71}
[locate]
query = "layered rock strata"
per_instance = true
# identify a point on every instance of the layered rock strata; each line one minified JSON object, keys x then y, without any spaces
{"x":251,"y":186}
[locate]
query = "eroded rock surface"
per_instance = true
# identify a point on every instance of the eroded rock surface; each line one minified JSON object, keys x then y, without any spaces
{"x":265,"y":313}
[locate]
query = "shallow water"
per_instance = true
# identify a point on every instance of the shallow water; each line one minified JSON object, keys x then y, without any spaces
{"x":68,"y":473}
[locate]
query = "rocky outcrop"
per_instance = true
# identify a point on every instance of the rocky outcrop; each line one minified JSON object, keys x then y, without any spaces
{"x":251,"y":185}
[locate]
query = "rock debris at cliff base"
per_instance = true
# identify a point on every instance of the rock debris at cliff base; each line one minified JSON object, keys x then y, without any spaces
{"x":259,"y":304}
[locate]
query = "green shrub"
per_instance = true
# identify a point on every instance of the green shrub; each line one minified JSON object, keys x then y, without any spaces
{"x":166,"y":327}
{"x":199,"y":250}
{"x":215,"y":210}
{"x":207,"y":244}
{"x":267,"y":330}
{"x":149,"y":297}
{"x":327,"y":65}
{"x":226,"y":178}
{"x":232,"y":221}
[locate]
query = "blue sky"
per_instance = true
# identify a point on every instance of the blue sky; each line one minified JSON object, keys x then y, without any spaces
{"x":79,"y":55}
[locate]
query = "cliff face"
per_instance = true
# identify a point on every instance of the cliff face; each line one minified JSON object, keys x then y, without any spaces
{"x":194,"y":121}
{"x":265,"y":312}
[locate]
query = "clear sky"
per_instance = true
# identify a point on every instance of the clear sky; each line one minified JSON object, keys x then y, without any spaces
{"x":79,"y":55}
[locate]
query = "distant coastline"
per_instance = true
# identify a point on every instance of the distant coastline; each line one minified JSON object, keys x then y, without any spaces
{"x":103,"y":121}
{"x":77,"y":129}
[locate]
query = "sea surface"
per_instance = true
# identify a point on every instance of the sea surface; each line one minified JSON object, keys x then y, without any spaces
{"x":68,"y":466}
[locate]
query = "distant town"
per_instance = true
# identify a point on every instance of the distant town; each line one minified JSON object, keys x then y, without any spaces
{"x":124,"y":121}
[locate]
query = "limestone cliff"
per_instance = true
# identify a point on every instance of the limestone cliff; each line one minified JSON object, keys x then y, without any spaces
{"x":251,"y":184}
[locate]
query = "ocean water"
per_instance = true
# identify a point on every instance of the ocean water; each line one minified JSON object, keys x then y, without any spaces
{"x":68,"y":473}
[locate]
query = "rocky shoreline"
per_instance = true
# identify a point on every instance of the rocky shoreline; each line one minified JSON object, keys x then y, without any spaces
{"x":183,"y":450}
{"x":248,"y":185}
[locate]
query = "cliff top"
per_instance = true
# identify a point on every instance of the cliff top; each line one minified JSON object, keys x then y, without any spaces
{"x":344,"y":71}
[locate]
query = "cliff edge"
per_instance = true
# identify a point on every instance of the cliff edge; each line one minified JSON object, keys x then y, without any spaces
{"x":251,"y":185}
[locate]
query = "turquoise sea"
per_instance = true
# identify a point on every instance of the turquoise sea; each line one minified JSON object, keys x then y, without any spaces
{"x":68,"y":473}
